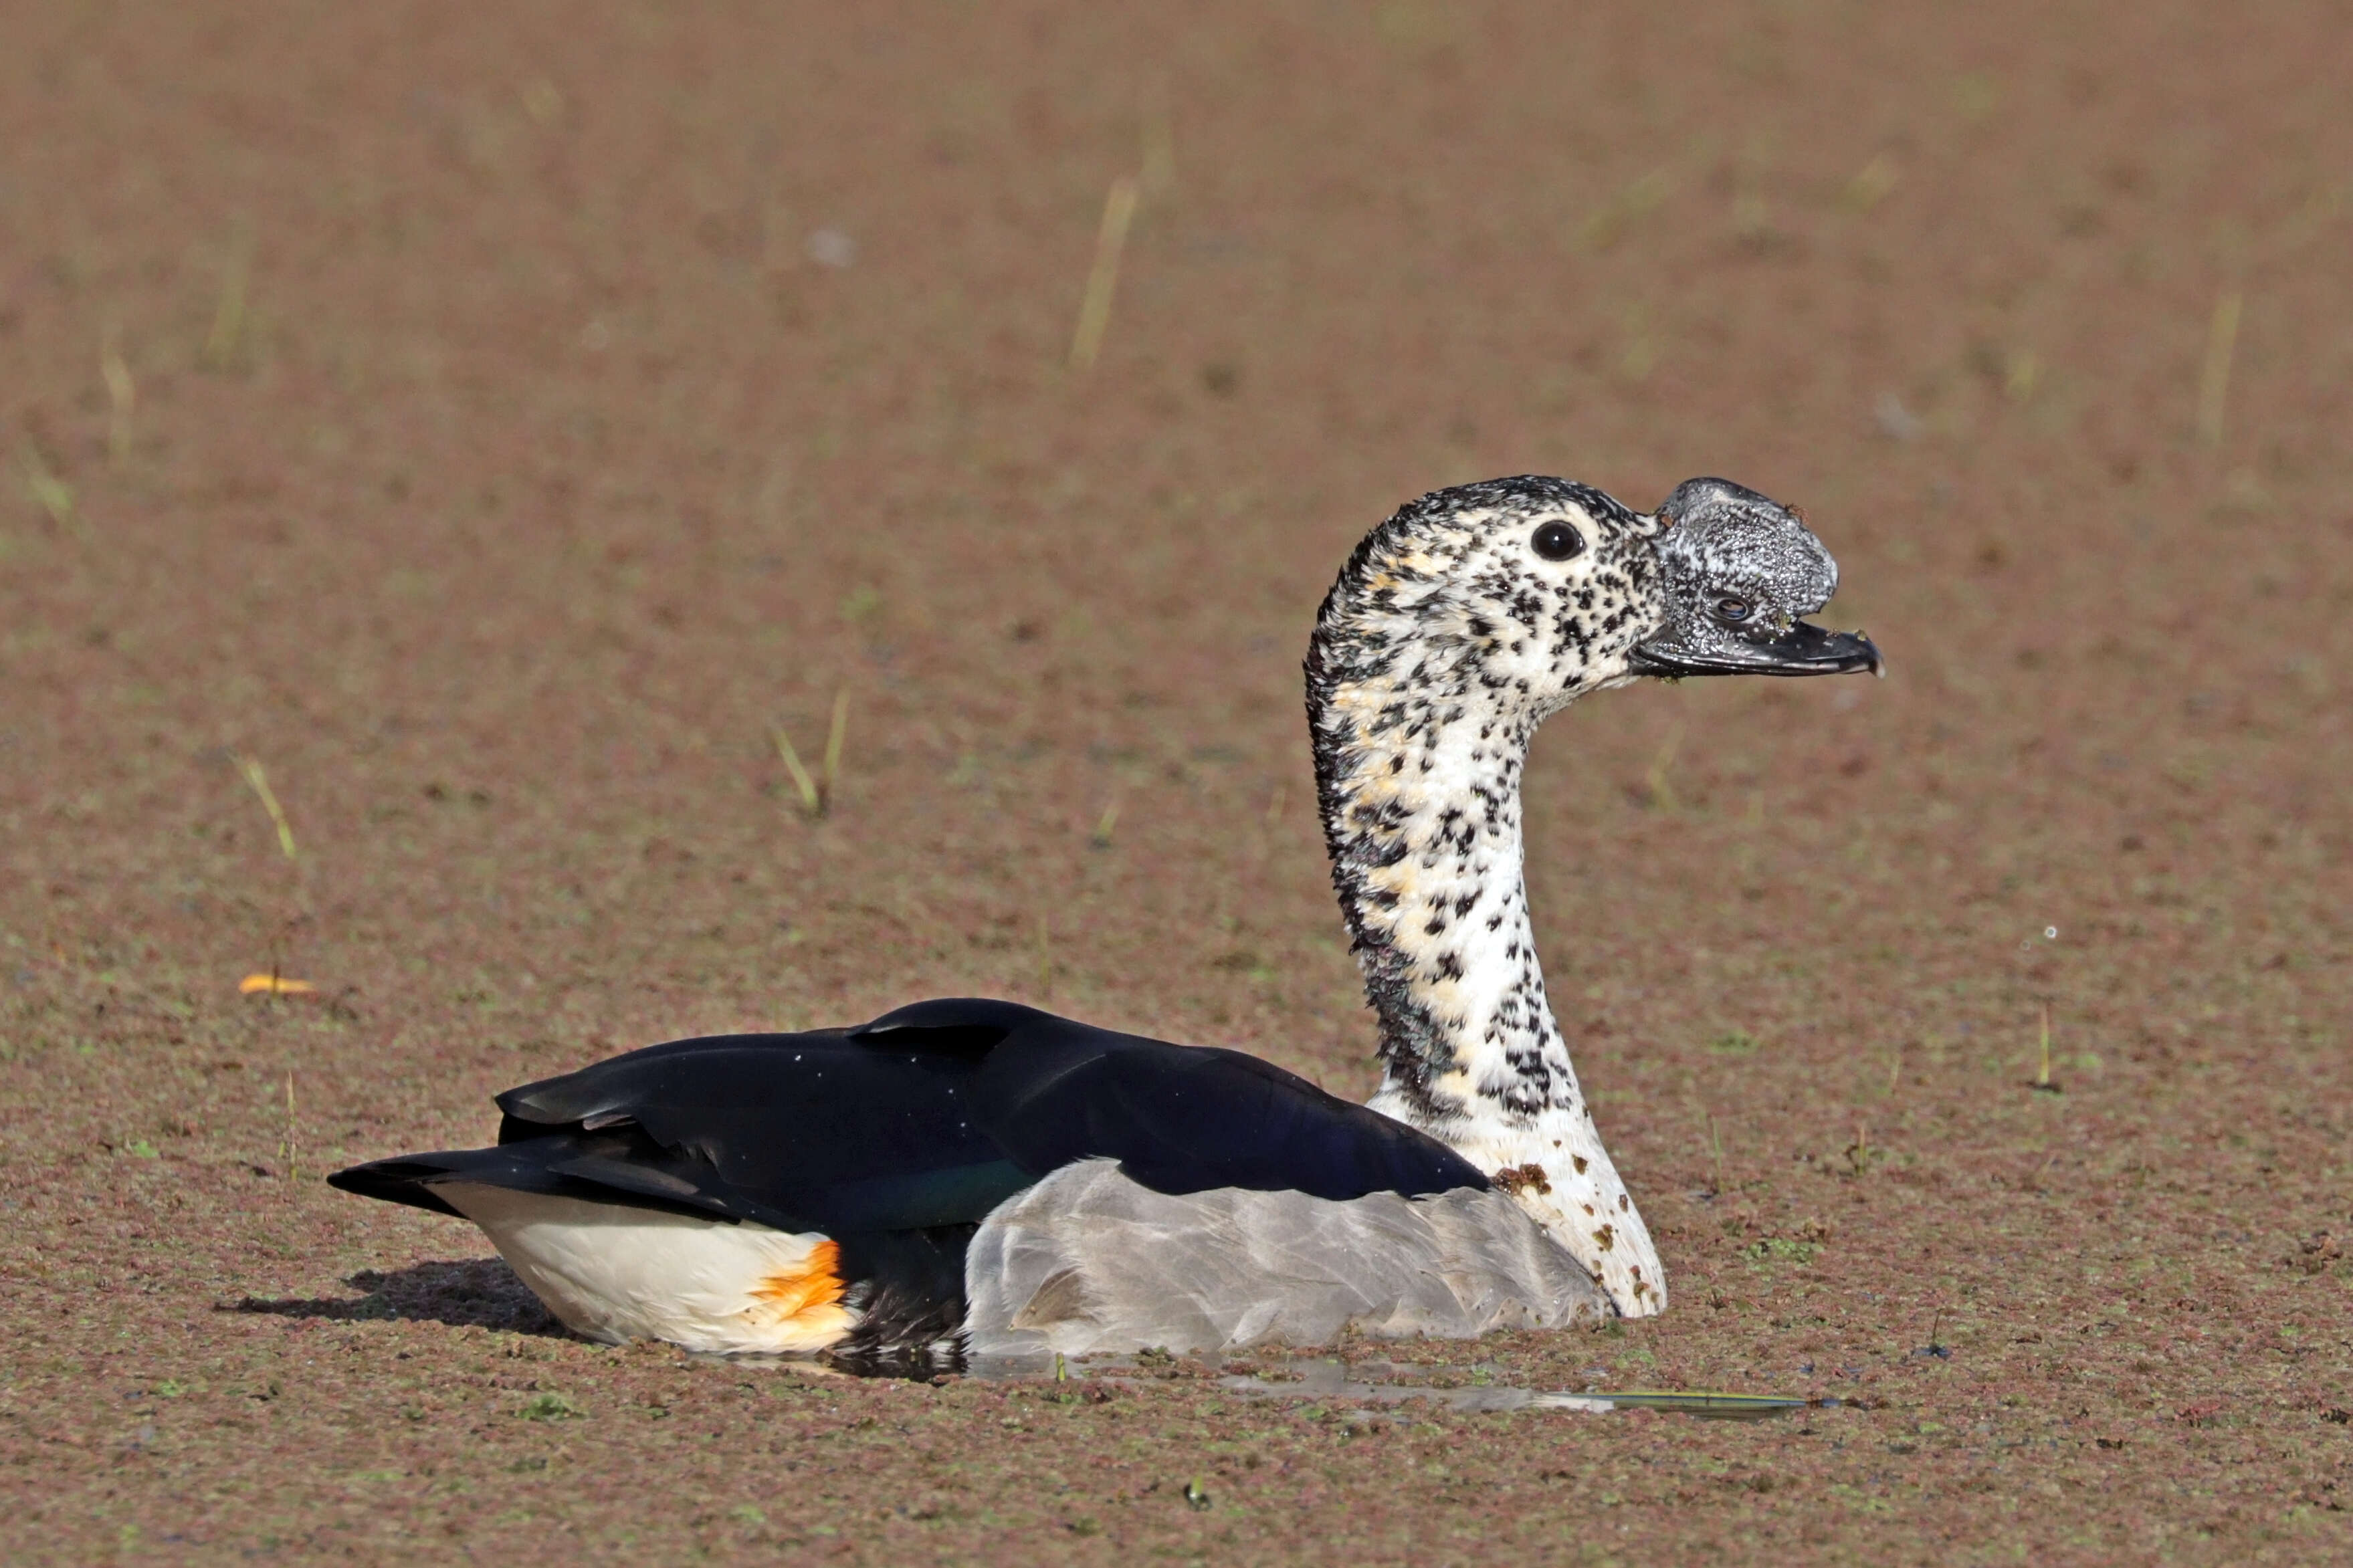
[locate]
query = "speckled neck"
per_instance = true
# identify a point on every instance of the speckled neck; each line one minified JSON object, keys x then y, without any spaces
{"x":1423,"y":822}
{"x":1427,"y":678}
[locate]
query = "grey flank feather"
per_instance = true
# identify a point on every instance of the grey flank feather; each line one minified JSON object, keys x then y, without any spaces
{"x":1090,"y":1261}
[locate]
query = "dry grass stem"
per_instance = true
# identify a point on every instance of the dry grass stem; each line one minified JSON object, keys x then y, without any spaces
{"x":2022,"y":373}
{"x":227,"y":332}
{"x":286,"y":1149}
{"x":830,"y":777}
{"x":1158,"y":149}
{"x":1110,"y":239}
{"x":1871,"y":185}
{"x":2214,"y":380}
{"x":52,"y":494}
{"x":812,"y":798}
{"x":122,"y":395}
{"x":258,"y":781}
{"x":1602,"y":229}
{"x":1662,"y":795}
{"x":1045,"y":957}
{"x":817,"y":793}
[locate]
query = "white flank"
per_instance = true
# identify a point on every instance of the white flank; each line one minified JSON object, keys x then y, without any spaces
{"x":616,"y":1273}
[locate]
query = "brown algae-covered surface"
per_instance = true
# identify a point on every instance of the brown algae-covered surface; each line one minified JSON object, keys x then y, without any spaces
{"x":491,"y":423}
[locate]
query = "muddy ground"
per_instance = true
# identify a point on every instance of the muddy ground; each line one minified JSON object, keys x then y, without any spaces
{"x":489,"y":423}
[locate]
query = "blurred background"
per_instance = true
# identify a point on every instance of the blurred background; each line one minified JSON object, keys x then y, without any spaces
{"x":495,"y":426}
{"x":486,"y":433}
{"x":443,"y":447}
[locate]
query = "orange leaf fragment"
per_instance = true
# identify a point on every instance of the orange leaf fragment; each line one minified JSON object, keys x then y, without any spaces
{"x":275,"y":985}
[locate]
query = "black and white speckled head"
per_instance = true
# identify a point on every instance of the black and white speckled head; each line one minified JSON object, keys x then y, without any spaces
{"x":1517,"y":596}
{"x":1742,"y":571}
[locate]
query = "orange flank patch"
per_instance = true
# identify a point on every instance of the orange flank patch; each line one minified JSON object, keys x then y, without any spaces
{"x":792,"y":1293}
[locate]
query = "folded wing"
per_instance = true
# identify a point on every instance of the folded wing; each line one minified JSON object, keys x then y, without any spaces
{"x":928,"y":1117}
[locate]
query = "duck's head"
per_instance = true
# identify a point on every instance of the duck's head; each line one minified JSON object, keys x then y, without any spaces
{"x":1740,"y":572}
{"x":1517,"y":595}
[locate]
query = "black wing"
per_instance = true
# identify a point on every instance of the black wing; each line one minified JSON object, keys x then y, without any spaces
{"x":930,"y":1116}
{"x":1178,"y":1119}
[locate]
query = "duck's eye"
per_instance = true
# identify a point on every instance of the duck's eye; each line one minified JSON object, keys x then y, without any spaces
{"x":1734,"y":610}
{"x":1557,"y":542}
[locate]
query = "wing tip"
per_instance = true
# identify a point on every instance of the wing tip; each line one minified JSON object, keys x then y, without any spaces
{"x":402,"y":1179}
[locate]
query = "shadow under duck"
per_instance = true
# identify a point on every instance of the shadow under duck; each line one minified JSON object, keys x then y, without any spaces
{"x":978,"y":1176}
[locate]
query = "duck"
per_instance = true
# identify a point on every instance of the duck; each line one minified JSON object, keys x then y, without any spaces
{"x":967,"y":1179}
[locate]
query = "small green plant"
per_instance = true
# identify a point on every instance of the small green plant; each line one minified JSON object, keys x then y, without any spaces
{"x":550,"y":1407}
{"x":1781,"y":1250}
{"x":1733,"y":1042}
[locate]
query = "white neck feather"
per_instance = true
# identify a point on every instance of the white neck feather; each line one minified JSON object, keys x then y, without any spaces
{"x":1427,"y":819}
